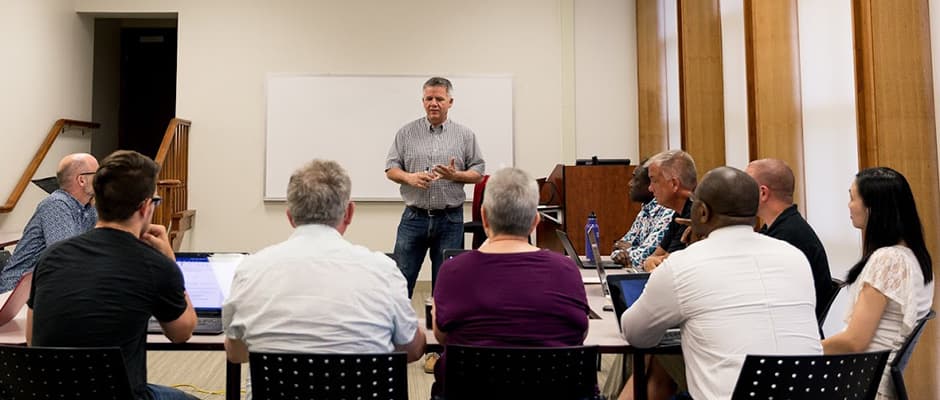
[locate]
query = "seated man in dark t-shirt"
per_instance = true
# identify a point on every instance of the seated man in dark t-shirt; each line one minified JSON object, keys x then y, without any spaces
{"x":100,"y":288}
{"x":672,"y":180}
{"x":783,"y":221}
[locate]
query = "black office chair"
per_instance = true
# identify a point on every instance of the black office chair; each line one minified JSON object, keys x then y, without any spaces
{"x":92,"y":373}
{"x":47,"y":184}
{"x":447,"y":254}
{"x":329,"y":376}
{"x":543,"y":372}
{"x":904,"y":355}
{"x":849,"y":376}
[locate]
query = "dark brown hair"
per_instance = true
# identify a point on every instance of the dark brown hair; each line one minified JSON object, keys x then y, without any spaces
{"x":123,"y":181}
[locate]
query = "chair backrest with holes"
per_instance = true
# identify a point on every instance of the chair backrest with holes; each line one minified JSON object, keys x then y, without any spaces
{"x":63,"y":373}
{"x":474,"y":372}
{"x":329,"y":376}
{"x":849,"y":376}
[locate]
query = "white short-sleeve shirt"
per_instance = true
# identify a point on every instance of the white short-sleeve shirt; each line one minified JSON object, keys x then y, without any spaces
{"x":318,"y":293}
{"x":735,"y":293}
{"x":895,"y":273}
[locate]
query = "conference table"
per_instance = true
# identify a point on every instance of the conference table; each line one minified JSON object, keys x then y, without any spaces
{"x":603,"y":331}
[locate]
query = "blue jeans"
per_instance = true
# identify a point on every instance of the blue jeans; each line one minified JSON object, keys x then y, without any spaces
{"x":167,"y":393}
{"x":418,"y":232}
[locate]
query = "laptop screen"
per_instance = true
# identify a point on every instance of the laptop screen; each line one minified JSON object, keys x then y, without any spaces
{"x":208,"y":277}
{"x":451,"y":253}
{"x":625,"y":289}
{"x":595,"y":250}
{"x":569,"y":248}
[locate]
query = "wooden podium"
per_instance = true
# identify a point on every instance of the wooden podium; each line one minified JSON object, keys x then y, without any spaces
{"x":569,"y":194}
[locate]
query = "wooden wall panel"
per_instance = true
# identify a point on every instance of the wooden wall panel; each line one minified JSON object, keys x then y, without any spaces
{"x":651,"y":77}
{"x":775,"y":120}
{"x":896,"y":129}
{"x":701,"y":83}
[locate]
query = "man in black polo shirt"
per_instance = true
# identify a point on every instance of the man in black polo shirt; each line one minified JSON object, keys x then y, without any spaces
{"x":100,"y":288}
{"x":783,"y":221}
{"x":672,"y":180}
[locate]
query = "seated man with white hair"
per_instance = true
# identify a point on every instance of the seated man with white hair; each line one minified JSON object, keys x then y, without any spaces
{"x":316,"y":292}
{"x":508,"y":292}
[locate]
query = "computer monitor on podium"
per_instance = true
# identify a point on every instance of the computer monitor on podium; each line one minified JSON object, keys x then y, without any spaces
{"x":602,"y":161}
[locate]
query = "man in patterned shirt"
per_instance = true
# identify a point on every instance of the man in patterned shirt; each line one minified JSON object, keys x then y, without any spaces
{"x":432,"y":158}
{"x":649,"y":226}
{"x":65,"y":213}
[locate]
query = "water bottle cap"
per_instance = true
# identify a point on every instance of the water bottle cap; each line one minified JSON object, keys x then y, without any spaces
{"x":592,"y":215}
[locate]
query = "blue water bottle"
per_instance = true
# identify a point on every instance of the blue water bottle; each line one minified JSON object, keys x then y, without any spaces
{"x":591,"y":229}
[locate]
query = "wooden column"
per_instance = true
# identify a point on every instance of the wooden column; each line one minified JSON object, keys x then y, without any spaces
{"x":701,"y":83}
{"x":896,"y":129}
{"x":775,"y":116}
{"x":651,"y":77}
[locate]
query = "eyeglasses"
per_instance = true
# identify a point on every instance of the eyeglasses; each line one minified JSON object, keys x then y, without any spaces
{"x":86,"y":173}
{"x":156,"y":200}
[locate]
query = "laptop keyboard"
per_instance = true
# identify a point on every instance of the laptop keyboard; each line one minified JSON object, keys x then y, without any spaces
{"x":204,"y":326}
{"x":209,"y":326}
{"x":671,"y":337}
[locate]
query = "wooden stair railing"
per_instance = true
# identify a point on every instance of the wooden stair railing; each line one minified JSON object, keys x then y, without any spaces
{"x":172,"y":183}
{"x":60,"y":126}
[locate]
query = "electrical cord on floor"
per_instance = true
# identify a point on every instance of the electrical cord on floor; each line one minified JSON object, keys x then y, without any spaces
{"x":198,"y":389}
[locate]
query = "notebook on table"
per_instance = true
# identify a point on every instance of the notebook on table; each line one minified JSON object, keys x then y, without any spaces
{"x":208,"y":281}
{"x":625,"y":289}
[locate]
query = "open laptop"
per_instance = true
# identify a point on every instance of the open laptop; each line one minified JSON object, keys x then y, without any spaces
{"x":208,"y":280}
{"x":447,"y":254}
{"x":601,"y":273}
{"x":569,"y":248}
{"x":625,"y":289}
{"x":16,"y":299}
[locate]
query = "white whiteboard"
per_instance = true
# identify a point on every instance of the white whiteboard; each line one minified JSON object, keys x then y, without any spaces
{"x":353,"y":120}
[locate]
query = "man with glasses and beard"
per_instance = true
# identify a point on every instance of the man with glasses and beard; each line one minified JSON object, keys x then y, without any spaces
{"x":65,"y":213}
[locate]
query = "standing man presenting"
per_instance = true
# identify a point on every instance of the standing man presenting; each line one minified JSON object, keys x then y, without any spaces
{"x":432,"y":158}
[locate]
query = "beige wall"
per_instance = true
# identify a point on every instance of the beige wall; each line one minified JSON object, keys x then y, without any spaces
{"x":734,"y":79}
{"x":46,"y":75}
{"x":226,"y":50}
{"x":605,"y":79}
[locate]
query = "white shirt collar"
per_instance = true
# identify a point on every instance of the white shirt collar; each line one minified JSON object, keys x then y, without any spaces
{"x":316,"y":230}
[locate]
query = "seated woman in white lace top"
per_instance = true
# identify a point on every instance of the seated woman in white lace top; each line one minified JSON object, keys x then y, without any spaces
{"x":891,"y":286}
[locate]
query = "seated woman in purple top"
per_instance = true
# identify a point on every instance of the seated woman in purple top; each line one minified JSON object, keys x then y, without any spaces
{"x":508,"y":293}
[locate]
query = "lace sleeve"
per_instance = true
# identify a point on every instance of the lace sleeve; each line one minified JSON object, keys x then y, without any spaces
{"x":889,"y":271}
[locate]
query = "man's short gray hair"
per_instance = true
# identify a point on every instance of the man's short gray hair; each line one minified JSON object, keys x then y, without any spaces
{"x":676,"y":164}
{"x":439,"y":82}
{"x":318,"y":193}
{"x":511,"y":202}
